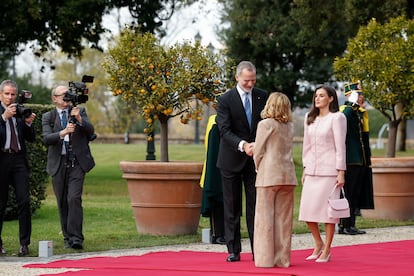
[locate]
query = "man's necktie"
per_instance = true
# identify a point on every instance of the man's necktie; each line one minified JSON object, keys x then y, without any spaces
{"x":247,"y":109}
{"x":13,"y":138}
{"x":64,"y":122}
{"x":64,"y":119}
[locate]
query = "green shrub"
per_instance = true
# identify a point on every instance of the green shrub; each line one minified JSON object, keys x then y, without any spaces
{"x":37,"y":155}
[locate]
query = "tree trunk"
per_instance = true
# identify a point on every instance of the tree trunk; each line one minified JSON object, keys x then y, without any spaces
{"x":401,"y":128}
{"x":164,"y":141}
{"x":402,"y":136}
{"x":392,"y":137}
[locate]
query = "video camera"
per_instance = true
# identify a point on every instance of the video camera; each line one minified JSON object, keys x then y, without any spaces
{"x":78,"y":92}
{"x":22,"y":111}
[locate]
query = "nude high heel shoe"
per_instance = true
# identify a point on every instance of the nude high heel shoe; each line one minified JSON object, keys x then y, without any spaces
{"x":325,"y":260}
{"x":314,"y":256}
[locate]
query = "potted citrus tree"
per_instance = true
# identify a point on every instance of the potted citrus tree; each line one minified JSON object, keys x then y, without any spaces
{"x":382,"y":57}
{"x":163,"y":82}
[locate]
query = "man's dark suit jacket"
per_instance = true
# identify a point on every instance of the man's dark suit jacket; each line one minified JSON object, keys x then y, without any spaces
{"x":233,"y":126}
{"x":80,"y":141}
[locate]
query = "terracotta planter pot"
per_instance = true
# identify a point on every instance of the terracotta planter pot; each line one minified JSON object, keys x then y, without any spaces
{"x":393,"y":181}
{"x":165,"y":196}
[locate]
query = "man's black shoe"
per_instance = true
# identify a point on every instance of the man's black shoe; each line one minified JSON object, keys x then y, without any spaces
{"x":218,"y":240}
{"x":357,"y":231}
{"x":23,"y":251}
{"x":346,"y":231}
{"x":77,"y":246}
{"x":233,"y":257}
{"x":67,"y":244}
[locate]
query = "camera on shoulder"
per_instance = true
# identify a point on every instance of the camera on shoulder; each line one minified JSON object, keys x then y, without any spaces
{"x":78,"y":91}
{"x":78,"y":94}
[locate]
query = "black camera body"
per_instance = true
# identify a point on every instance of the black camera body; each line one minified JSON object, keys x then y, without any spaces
{"x":22,"y":111}
{"x":78,"y":92}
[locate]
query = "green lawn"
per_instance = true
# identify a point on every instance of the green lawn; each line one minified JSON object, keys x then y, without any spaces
{"x":108,"y":217}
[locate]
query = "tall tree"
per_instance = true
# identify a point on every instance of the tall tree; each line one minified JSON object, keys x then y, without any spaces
{"x":297,"y":40}
{"x":382,"y":57}
{"x":47,"y":24}
{"x":258,"y":32}
{"x":359,"y":12}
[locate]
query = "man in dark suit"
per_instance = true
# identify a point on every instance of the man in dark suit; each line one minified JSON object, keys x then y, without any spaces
{"x":238,"y":112}
{"x":15,"y":129}
{"x":69,"y":159}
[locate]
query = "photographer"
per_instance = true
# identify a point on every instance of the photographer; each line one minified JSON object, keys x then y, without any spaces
{"x":69,"y":159}
{"x":15,"y":129}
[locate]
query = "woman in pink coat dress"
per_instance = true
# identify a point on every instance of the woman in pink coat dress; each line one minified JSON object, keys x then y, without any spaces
{"x":324,"y":165}
{"x":275,"y":183}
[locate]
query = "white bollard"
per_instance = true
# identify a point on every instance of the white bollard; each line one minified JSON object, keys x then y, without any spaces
{"x":45,"y":249}
{"x":206,"y":235}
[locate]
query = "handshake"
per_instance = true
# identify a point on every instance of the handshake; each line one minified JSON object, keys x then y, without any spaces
{"x":248,"y":148}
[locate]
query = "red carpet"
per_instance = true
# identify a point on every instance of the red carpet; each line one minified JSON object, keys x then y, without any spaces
{"x":390,"y":258}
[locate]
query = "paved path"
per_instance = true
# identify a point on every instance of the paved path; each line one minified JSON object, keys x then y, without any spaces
{"x":13,"y":265}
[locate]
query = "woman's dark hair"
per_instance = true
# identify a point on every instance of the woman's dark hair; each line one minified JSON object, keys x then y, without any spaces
{"x":333,"y":106}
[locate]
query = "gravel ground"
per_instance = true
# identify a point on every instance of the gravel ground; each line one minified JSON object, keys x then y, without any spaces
{"x":13,"y":265}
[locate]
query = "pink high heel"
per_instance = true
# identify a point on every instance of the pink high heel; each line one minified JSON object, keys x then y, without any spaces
{"x":320,"y":260}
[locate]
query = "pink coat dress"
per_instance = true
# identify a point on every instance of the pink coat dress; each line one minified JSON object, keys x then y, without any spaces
{"x":323,"y":155}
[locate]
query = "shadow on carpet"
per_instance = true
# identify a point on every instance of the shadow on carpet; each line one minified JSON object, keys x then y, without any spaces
{"x":389,"y":258}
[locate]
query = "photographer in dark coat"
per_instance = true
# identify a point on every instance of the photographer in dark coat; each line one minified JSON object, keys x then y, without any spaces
{"x":15,"y":129}
{"x":67,"y":132}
